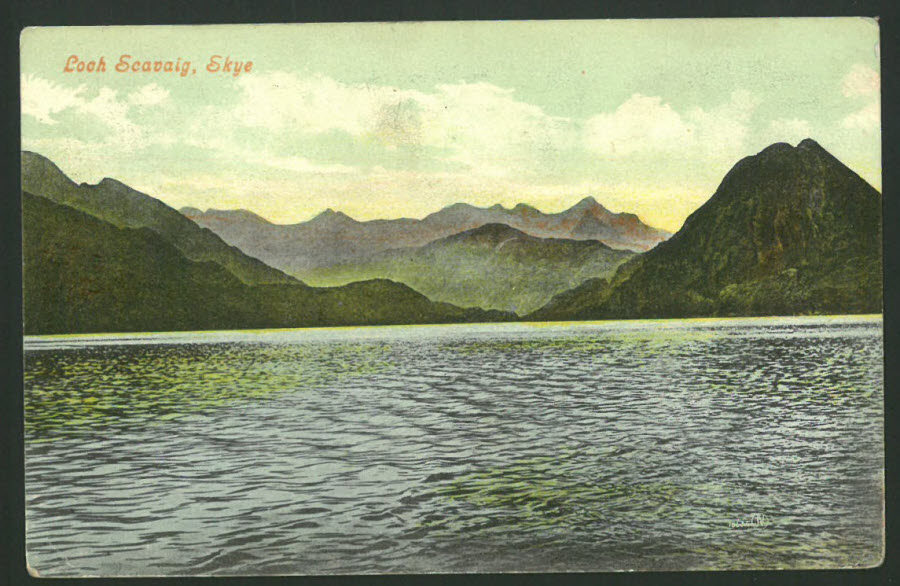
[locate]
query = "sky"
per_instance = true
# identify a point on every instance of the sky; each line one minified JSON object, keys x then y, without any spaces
{"x":401,"y":119}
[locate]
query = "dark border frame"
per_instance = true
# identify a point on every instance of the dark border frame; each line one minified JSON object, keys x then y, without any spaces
{"x":21,"y":13}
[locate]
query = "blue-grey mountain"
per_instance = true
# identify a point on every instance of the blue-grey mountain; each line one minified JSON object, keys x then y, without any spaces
{"x":333,"y":237}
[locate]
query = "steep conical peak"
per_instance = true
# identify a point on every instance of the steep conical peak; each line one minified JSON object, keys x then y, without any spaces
{"x":810,"y":144}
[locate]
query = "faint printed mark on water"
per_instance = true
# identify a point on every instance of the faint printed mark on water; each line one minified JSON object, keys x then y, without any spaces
{"x":755,"y":520}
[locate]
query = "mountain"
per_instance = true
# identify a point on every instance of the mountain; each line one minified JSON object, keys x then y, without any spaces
{"x":493,"y":267}
{"x":790,"y":230}
{"x":83,"y":274}
{"x":124,"y":207}
{"x":333,"y":238}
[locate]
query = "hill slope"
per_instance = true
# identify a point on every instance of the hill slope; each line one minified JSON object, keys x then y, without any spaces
{"x":333,"y":238}
{"x":493,"y":267}
{"x":82,"y":274}
{"x":118,"y":204}
{"x":790,"y":230}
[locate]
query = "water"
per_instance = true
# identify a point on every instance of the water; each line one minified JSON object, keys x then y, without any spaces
{"x":506,"y":447}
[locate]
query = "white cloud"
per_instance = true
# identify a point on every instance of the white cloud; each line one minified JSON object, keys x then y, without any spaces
{"x":479,"y":125}
{"x":149,"y":95}
{"x":867,"y":119}
{"x":490,"y":131}
{"x":641,"y":123}
{"x":862,"y":80}
{"x":645,"y":124}
{"x":721,"y":132}
{"x":313,"y":104}
{"x":789,"y":130}
{"x":42,"y":98}
{"x":112,"y":112}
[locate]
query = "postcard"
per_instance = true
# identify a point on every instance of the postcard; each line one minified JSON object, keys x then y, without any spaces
{"x":451,"y":297}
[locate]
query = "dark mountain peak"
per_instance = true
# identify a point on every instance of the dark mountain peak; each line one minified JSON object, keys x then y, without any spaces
{"x":811,"y":145}
{"x":777,"y":148}
{"x":782,"y":151}
{"x":807,"y":174}
{"x":38,"y":170}
{"x":32,"y":158}
{"x":119,"y":205}
{"x":497,"y":208}
{"x":790,"y":230}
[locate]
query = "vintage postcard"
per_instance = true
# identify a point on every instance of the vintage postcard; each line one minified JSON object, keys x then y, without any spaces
{"x":453,"y":297}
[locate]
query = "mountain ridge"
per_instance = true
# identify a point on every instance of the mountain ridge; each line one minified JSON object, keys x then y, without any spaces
{"x":493,"y":266}
{"x":83,"y":274}
{"x":333,"y":238}
{"x":789,"y":230}
{"x":117,"y":203}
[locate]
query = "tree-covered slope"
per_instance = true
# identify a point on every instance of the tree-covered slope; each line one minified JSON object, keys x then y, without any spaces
{"x":82,"y":274}
{"x":790,"y":230}
{"x":118,"y":204}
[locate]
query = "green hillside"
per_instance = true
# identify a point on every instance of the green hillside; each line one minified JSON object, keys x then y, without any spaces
{"x":789,"y":231}
{"x":82,"y":274}
{"x":493,"y":267}
{"x":122,"y":206}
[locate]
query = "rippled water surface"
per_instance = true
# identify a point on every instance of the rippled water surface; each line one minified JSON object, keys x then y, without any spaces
{"x":505,"y":447}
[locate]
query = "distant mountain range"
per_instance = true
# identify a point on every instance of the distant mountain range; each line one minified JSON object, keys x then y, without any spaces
{"x":493,"y":266}
{"x":106,"y":258}
{"x":333,"y":238}
{"x":790,"y":230}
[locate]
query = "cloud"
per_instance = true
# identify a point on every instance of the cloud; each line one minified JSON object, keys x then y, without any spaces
{"x":722,"y":131}
{"x":862,"y":80}
{"x":284,"y":101}
{"x":148,"y":95}
{"x":641,"y":123}
{"x":42,"y":98}
{"x":867,"y":119}
{"x":491,"y":132}
{"x":790,"y":130}
{"x":646,"y":124}
{"x":108,"y":109}
{"x":478,"y":125}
